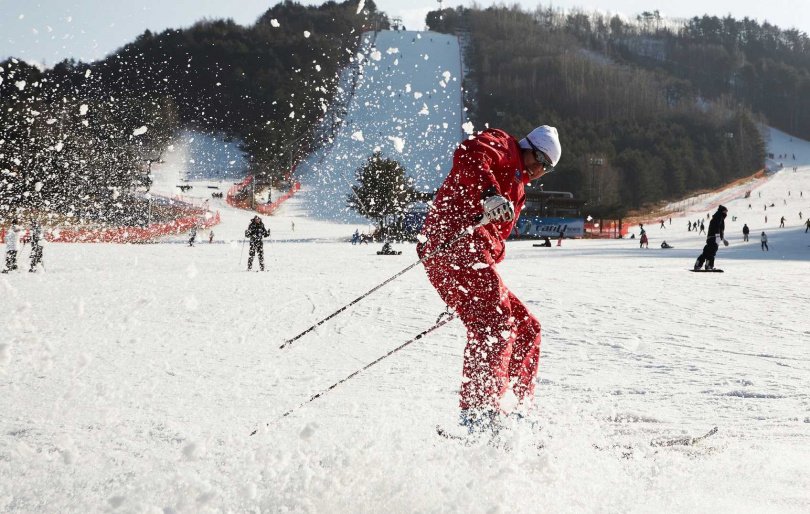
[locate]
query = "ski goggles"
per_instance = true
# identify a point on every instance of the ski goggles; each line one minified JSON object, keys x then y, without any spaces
{"x":541,"y":157}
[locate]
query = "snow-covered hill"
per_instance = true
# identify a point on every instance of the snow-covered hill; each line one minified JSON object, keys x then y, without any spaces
{"x":405,"y":103}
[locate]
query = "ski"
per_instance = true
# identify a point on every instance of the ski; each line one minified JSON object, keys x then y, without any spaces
{"x":707,"y":270}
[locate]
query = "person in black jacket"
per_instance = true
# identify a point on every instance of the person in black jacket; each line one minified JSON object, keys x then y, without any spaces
{"x":255,"y":232}
{"x":746,"y":231}
{"x":717,"y":227}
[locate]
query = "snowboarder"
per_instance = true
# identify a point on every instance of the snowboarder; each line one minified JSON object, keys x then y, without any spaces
{"x":36,"y":246}
{"x":12,"y":243}
{"x":746,"y":231}
{"x":192,"y":235}
{"x":255,"y":232}
{"x":717,"y":227}
{"x":503,"y":346}
{"x":666,"y":245}
{"x":764,"y":241}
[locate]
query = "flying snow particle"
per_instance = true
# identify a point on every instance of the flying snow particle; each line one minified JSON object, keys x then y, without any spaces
{"x":171,"y":148}
{"x":58,"y":146}
{"x":417,"y":95}
{"x":467,"y":127}
{"x":425,"y":111}
{"x":50,"y":121}
{"x":22,"y":16}
{"x":38,"y":187}
{"x":193,"y":451}
{"x":308,"y":431}
{"x":274,"y":22}
{"x":317,"y":67}
{"x":399,"y":143}
{"x":376,"y":55}
{"x":87,"y":74}
{"x":139,"y":131}
{"x":407,"y":88}
{"x":426,"y":57}
{"x":446,"y":76}
{"x":83,"y":109}
{"x":442,"y":83}
{"x":358,"y":136}
{"x":392,"y":50}
{"x":20,"y":84}
{"x":307,"y":33}
{"x":360,"y":6}
{"x":360,"y":57}
{"x":292,"y":114}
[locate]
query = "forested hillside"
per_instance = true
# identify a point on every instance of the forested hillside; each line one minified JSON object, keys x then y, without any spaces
{"x":630,"y":136}
{"x":76,"y":137}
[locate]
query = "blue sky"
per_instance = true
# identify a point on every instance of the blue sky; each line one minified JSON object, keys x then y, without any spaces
{"x":51,"y":30}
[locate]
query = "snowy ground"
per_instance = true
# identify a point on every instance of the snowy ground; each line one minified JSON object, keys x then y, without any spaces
{"x":132,"y":375}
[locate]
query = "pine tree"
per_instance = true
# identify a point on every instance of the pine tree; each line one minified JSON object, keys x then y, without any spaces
{"x":383,"y":190}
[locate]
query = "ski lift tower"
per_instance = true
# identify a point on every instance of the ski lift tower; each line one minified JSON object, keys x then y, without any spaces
{"x":396,"y":23}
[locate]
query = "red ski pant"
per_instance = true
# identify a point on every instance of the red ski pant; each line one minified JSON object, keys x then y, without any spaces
{"x":503,"y":338}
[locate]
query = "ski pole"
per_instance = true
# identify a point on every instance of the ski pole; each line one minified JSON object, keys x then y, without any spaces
{"x":438,"y":324}
{"x":444,"y":245}
{"x":242,"y":252}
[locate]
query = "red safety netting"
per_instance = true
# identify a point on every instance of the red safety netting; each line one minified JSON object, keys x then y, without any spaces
{"x":263,"y":208}
{"x":127,"y":234}
{"x":608,"y":229}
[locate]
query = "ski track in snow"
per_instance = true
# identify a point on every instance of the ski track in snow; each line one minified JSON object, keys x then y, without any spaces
{"x":129,"y":384}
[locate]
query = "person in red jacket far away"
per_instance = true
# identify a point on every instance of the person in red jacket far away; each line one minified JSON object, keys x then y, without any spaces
{"x":503,"y":338}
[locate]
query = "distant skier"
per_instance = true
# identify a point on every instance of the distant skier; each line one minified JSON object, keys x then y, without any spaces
{"x":662,"y":224}
{"x":782,"y":222}
{"x":764,"y":241}
{"x":702,"y":228}
{"x":255,"y":232}
{"x":192,"y":235}
{"x":689,"y":226}
{"x":746,"y":230}
{"x":211,"y":237}
{"x":356,"y":237}
{"x":717,"y":227}
{"x":807,"y":224}
{"x":666,"y":246}
{"x":12,"y":244}
{"x":36,"y":246}
{"x":643,"y":234}
{"x":503,"y":346}
{"x":560,"y":237}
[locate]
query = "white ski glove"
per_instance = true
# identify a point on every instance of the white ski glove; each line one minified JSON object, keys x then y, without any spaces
{"x":498,"y":209}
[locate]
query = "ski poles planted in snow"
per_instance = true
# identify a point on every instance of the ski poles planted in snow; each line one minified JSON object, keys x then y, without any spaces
{"x":443,"y":320}
{"x":444,"y":245}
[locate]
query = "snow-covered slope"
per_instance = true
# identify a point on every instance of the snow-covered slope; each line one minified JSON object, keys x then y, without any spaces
{"x":132,"y":375}
{"x":406,"y":103}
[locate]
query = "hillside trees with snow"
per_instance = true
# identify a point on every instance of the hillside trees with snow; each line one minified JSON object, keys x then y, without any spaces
{"x":532,"y":68}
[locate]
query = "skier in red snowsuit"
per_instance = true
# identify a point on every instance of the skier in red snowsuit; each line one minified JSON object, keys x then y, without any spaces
{"x":487,"y":180}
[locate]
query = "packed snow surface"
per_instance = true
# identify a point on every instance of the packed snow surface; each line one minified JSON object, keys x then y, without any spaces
{"x":132,"y":375}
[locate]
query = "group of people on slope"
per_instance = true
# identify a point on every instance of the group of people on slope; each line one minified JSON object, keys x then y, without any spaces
{"x":14,"y":237}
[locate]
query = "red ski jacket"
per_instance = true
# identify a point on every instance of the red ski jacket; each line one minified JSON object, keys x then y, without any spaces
{"x":490,"y":163}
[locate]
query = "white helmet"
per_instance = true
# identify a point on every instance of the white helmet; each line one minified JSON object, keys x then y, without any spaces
{"x":545,"y":139}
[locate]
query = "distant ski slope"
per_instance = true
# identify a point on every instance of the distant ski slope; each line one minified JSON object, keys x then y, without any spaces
{"x":405,"y":101}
